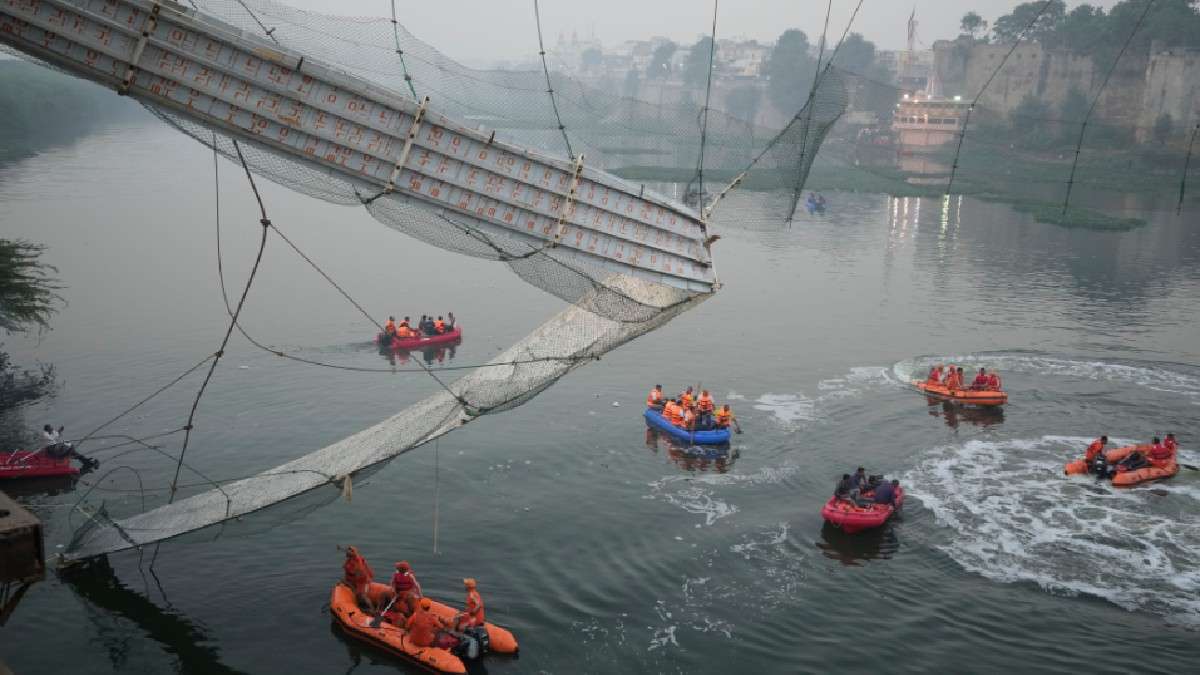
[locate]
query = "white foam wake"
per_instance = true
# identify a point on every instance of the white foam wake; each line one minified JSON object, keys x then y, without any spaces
{"x":1015,"y":517}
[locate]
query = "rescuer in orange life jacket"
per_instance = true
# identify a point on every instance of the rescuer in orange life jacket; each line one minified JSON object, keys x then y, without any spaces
{"x":981,"y":380}
{"x":472,"y":615}
{"x":389,"y":328}
{"x":405,"y":586}
{"x":423,"y":626}
{"x":439,"y":325}
{"x":704,"y":410}
{"x":1095,"y":449}
{"x":935,"y":375}
{"x":358,"y":577}
{"x":655,"y":398}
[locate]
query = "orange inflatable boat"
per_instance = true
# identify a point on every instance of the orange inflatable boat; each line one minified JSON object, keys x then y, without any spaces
{"x":394,"y":639}
{"x":970,"y":396}
{"x":1121,"y":478}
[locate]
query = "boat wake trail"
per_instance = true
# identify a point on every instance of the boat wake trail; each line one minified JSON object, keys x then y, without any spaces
{"x":794,"y":411}
{"x":1014,"y":517}
{"x":1178,"y":379}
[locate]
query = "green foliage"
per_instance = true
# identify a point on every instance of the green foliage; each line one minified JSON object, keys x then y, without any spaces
{"x":660,"y":62}
{"x":1013,"y":27}
{"x":791,"y":71}
{"x":695,"y":68}
{"x":743,"y":102}
{"x":28,"y":287}
{"x":19,"y":385}
{"x":972,"y":24}
{"x":856,"y":54}
{"x":1072,"y":111}
{"x":1028,"y":123}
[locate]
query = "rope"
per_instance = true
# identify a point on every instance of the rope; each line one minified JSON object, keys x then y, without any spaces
{"x":135,"y":406}
{"x":436,"y":490}
{"x":265,"y":222}
{"x":967,"y":118}
{"x":550,"y":87}
{"x":1187,"y":160}
{"x":1099,"y":92}
{"x":712,"y":49}
{"x":400,"y":52}
{"x":270,"y":32}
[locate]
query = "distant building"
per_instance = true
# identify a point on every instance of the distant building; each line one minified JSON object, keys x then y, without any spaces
{"x":923,"y":123}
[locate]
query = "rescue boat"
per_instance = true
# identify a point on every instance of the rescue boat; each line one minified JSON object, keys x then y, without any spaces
{"x":1124,"y":478}
{"x":711,"y":437}
{"x":420,"y":342}
{"x":34,"y":464}
{"x":969,"y":396}
{"x":394,"y":639}
{"x":853,"y":518}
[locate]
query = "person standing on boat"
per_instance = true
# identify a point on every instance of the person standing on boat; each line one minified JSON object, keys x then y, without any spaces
{"x":439,"y":326}
{"x":358,"y":576}
{"x":389,"y":328}
{"x":723,"y":417}
{"x":704,"y":409}
{"x":451,"y":321}
{"x":472,"y":615}
{"x":405,"y":586}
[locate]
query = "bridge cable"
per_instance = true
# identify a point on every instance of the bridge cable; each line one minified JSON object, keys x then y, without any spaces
{"x":549,"y":86}
{"x":1099,"y":93}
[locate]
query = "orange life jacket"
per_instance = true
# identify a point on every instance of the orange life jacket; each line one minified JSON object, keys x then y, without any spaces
{"x":358,"y":573}
{"x":953,"y":381}
{"x":423,"y":626}
{"x":654,"y":398}
{"x":671,"y":412}
{"x":474,"y":609}
{"x":723,"y":416}
{"x":1171,"y":444}
{"x":935,"y":376}
{"x":687,"y":399}
{"x":993,"y":382}
{"x":1092,"y":450}
{"x":1160,"y":452}
{"x":705,"y":403}
{"x":439,"y":326}
{"x":390,"y":327}
{"x":403,"y":331}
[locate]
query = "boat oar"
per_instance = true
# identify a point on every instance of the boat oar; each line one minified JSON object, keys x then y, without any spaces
{"x":736,"y":427}
{"x":379,"y":617}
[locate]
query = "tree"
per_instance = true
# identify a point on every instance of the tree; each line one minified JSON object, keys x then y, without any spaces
{"x":660,"y":62}
{"x":972,"y":24}
{"x":791,"y":70}
{"x":743,"y":102}
{"x":28,"y":298}
{"x":1028,"y":124}
{"x":695,"y":69}
{"x":1163,"y":126}
{"x":1081,"y":29}
{"x":1034,"y":21}
{"x":856,"y":54}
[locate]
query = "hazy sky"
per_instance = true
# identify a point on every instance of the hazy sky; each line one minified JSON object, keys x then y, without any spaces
{"x":484,"y":30}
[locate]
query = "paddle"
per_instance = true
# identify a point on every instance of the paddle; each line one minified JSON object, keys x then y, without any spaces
{"x":379,"y":617}
{"x":736,"y":427}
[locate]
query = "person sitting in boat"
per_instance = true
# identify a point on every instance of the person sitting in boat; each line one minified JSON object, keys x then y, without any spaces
{"x":844,"y":487}
{"x":404,"y":331}
{"x":1162,"y":454}
{"x":1170,"y":442}
{"x":671,"y":411}
{"x":451,"y":320}
{"x":688,"y":419}
{"x":389,"y":328}
{"x":993,"y":381}
{"x":406,"y":588}
{"x":687,"y":397}
{"x":424,"y":626}
{"x":952,"y":380}
{"x":358,"y":576}
{"x":472,"y":614}
{"x":1138,"y":460}
{"x":1094,"y":451}
{"x":723,"y":417}
{"x":704,"y":410}
{"x":885,"y":492}
{"x":439,"y":326}
{"x":981,"y":380}
{"x":935,"y":374}
{"x":860,"y":479}
{"x":54,"y":446}
{"x":655,"y":398}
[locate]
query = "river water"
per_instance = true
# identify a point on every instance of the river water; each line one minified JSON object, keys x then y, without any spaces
{"x":603,"y":549}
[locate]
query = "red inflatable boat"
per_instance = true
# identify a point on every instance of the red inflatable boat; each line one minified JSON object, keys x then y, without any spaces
{"x":415,"y":343}
{"x":34,"y":464}
{"x":851,"y":518}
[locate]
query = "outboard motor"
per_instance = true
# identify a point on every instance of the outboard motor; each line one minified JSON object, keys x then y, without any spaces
{"x":480,"y":635}
{"x":468,"y":647}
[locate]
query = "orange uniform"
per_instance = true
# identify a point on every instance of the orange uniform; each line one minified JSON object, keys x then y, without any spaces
{"x":439,"y":326}
{"x":704,"y":403}
{"x":404,"y":331}
{"x":953,"y":381}
{"x":723,"y":416}
{"x":473,"y":615}
{"x":687,"y":399}
{"x":1094,"y":449}
{"x":358,"y":574}
{"x":993,"y":382}
{"x":390,"y":327}
{"x":672,"y":412}
{"x":423,"y":627}
{"x":1160,"y":454}
{"x":935,"y":375}
{"x":1171,"y":444}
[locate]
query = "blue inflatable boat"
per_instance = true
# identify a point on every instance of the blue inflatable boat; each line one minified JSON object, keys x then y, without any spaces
{"x":714,"y":437}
